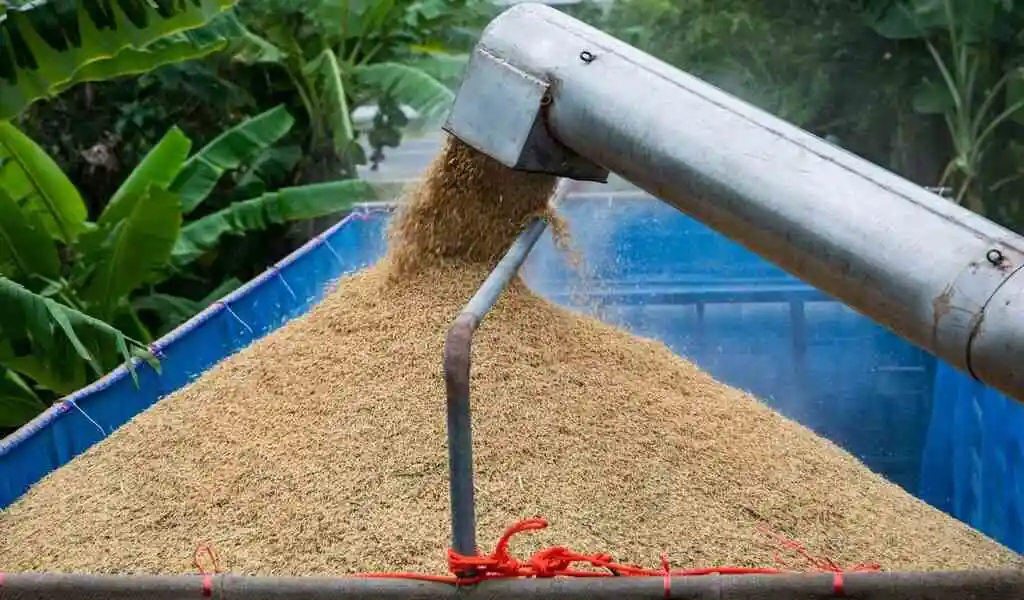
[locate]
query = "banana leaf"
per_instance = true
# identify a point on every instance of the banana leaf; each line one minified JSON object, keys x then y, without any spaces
{"x":177,"y":48}
{"x":37,"y":184}
{"x":285,"y":205}
{"x":228,"y":151}
{"x":331,"y":89}
{"x":47,"y":45}
{"x":408,"y":86}
{"x":159,"y":168}
{"x":40,"y":335}
{"x":446,"y":68}
{"x":250,"y":48}
{"x":175,"y":310}
{"x":18,"y":403}
{"x":26,"y":249}
{"x":134,"y":251}
{"x":269,"y":171}
{"x":172,"y":310}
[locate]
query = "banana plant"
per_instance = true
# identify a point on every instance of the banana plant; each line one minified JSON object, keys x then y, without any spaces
{"x":57,"y":346}
{"x":172,"y":185}
{"x":71,"y":289}
{"x":47,"y":46}
{"x":44,"y":337}
{"x":976,"y":89}
{"x":341,"y":54}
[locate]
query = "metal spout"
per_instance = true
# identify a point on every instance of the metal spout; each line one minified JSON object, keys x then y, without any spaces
{"x":546,"y":92}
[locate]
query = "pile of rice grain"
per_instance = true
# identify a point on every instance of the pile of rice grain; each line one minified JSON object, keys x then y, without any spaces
{"x":321,"y":449}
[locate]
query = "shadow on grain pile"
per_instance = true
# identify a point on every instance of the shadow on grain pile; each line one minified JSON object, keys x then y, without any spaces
{"x":321,"y":449}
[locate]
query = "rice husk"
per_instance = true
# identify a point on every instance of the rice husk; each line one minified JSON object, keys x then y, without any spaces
{"x":321,"y":449}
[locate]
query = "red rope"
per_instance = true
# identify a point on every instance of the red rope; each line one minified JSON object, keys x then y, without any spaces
{"x":819,"y":563}
{"x":207,"y":575}
{"x":559,"y":561}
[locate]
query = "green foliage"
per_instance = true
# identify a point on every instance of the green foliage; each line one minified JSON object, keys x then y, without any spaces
{"x":203,"y":210}
{"x":256,"y":214}
{"x":48,"y":46}
{"x":413,"y":86}
{"x":337,"y":55}
{"x":766,"y":52}
{"x":57,"y":334}
{"x":175,"y":310}
{"x":159,"y":168}
{"x":976,"y":84}
{"x":97,"y":131}
{"x":130,"y":252}
{"x":19,"y":401}
{"x":35,"y":182}
{"x":41,"y":338}
{"x":26,"y":250}
{"x":241,"y":144}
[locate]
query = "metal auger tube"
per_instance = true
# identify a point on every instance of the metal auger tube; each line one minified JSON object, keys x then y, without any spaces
{"x":457,"y":349}
{"x":546,"y":92}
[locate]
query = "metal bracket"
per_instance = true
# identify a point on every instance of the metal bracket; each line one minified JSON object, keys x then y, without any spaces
{"x":457,"y":354}
{"x":500,"y":111}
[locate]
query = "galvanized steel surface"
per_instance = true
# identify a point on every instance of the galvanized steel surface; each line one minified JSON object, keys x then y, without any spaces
{"x":457,"y":349}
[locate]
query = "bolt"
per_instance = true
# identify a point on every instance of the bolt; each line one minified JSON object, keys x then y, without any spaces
{"x":995,"y":257}
{"x":587,"y":57}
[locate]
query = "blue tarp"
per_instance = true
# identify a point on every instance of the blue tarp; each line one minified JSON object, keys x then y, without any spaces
{"x":973,"y":461}
{"x":661,"y":275}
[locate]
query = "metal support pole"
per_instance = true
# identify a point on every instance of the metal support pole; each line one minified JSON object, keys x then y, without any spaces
{"x":546,"y":92}
{"x":457,"y":349}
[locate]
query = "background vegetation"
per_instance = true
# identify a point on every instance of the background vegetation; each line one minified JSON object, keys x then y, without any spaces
{"x":153,"y":155}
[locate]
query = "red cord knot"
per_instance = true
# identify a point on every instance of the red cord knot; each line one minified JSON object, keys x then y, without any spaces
{"x":549,"y":562}
{"x":559,"y":561}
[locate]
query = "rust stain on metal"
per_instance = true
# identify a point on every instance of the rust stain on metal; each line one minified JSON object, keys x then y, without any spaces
{"x":942,"y":305}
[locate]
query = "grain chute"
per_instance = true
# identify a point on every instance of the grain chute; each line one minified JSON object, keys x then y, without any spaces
{"x":545,"y":92}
